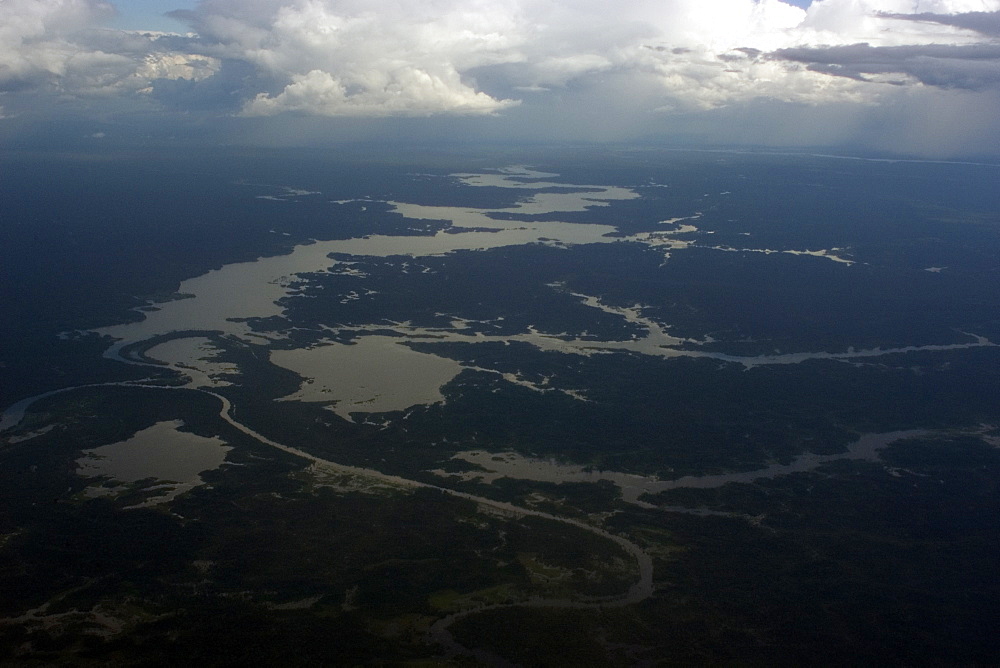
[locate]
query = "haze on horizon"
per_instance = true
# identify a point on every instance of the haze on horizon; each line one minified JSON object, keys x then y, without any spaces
{"x":909,"y":77}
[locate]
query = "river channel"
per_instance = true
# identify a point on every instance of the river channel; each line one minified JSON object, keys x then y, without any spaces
{"x":380,"y":373}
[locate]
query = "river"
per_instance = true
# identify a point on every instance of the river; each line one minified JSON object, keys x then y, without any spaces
{"x":222,"y":300}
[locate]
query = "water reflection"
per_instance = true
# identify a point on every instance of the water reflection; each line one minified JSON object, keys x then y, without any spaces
{"x":195,"y":356}
{"x":378,"y":373}
{"x":167,"y":460}
{"x":219,"y":299}
{"x":494,"y":466}
{"x":375,"y":374}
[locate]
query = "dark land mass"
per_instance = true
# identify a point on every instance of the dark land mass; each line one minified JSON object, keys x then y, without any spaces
{"x":274,"y":559}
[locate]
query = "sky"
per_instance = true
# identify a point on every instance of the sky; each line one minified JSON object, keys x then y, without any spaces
{"x":909,"y":77}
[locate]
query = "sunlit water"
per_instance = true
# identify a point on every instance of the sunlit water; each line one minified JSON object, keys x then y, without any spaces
{"x":381,"y":374}
{"x":512,"y":465}
{"x":168,"y":459}
{"x":375,"y":374}
{"x":195,"y":356}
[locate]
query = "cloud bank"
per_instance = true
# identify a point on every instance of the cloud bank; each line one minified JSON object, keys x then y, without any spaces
{"x":644,"y":64}
{"x":55,"y":46}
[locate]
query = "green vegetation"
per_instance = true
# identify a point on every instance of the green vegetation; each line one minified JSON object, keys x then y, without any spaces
{"x":275,"y":560}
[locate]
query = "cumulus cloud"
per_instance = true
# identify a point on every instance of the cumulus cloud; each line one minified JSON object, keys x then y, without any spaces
{"x":364,"y":58}
{"x":57,"y":46}
{"x":34,"y":37}
{"x":518,"y":59}
{"x":406,"y":91}
{"x":386,"y":58}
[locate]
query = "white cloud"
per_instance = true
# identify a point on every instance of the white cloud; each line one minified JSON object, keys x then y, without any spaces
{"x":384,"y":57}
{"x":33,"y":36}
{"x":176,"y":66}
{"x":361,"y":58}
{"x":568,"y":58}
{"x":54,"y":45}
{"x":388,"y":58}
{"x":406,"y":91}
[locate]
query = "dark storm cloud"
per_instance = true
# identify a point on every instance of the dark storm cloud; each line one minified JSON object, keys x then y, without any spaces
{"x":985,"y":23}
{"x":968,"y":67}
{"x":226,"y":91}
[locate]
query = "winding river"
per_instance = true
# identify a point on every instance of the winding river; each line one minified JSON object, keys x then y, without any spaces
{"x":642,"y":588}
{"x":865,"y":448}
{"x":221,"y":301}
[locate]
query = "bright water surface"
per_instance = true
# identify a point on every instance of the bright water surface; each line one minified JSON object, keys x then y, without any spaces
{"x":380,"y":374}
{"x":174,"y":458}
